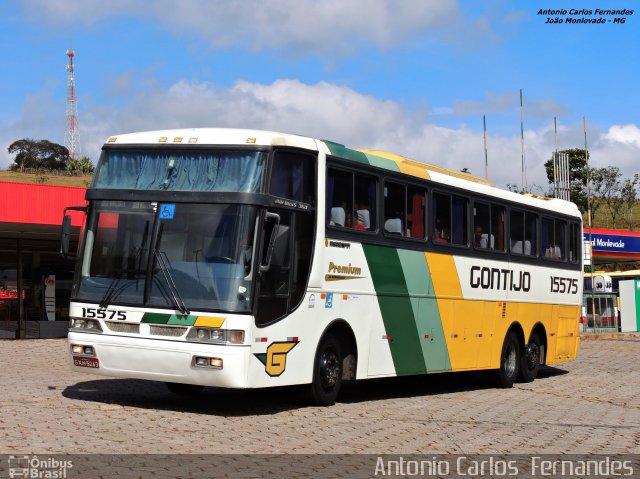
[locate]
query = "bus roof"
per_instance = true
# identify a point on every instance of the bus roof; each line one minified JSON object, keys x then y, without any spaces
{"x":377,"y":158}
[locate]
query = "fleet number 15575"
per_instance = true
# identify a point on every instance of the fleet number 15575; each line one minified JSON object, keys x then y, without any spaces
{"x":100,"y":313}
{"x":564,"y":285}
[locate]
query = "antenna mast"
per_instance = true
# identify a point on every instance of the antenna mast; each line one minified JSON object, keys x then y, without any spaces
{"x":71,"y":133}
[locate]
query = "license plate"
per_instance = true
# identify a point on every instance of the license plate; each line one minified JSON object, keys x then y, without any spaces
{"x":86,"y":362}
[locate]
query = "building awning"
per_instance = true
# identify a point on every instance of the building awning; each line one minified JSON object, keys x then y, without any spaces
{"x":39,"y":204}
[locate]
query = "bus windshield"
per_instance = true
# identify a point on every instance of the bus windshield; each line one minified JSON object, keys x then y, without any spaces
{"x":175,"y":255}
{"x":181,"y":170}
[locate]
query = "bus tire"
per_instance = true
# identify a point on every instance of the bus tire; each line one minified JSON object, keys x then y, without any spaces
{"x":530,"y":360}
{"x":509,"y":362}
{"x":184,"y":389}
{"x":327,"y":372}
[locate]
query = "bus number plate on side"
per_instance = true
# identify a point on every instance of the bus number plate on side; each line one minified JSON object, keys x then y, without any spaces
{"x":86,"y":362}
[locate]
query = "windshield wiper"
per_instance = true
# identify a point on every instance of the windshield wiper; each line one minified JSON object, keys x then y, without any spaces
{"x":173,"y":289}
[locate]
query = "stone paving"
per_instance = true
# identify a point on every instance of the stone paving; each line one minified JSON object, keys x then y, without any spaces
{"x":589,"y":406}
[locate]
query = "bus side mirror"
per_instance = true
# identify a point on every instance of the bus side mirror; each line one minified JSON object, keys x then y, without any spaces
{"x":274,"y":219}
{"x":65,"y":235}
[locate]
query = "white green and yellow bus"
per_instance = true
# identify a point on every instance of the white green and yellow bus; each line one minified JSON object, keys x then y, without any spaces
{"x":249,"y":259}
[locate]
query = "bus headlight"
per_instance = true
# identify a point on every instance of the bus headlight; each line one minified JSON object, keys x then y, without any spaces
{"x":216,"y":336}
{"x":85,"y":325}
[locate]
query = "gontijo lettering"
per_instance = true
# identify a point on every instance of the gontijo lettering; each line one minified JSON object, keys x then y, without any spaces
{"x":499,"y":278}
{"x":348,"y":269}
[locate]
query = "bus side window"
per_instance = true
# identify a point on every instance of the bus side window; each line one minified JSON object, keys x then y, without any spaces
{"x":459,"y":220}
{"x":339,"y":197}
{"x":363,"y":216}
{"x":416,"y":207}
{"x":574,"y":243}
{"x":441,"y":218}
{"x":351,"y":200}
{"x":497,"y":227}
{"x":394,"y":209}
{"x":553,"y":240}
{"x":293,"y":176}
{"x":482,"y":237}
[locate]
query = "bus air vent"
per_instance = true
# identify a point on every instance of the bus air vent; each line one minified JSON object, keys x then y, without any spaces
{"x":173,"y":331}
{"x":123,"y":327}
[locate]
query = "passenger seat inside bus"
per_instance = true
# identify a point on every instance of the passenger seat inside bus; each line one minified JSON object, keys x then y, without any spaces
{"x":364,"y":218}
{"x":337,"y":216}
{"x":393,"y":226}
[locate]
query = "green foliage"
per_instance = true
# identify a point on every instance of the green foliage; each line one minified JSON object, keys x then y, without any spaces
{"x":615,"y":194}
{"x":80,"y":167}
{"x":40,"y":154}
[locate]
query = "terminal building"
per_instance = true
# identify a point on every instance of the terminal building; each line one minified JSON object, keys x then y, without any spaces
{"x":31,"y":266}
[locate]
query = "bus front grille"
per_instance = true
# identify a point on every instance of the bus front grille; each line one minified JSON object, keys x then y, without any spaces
{"x":173,"y":331}
{"x":128,"y":328}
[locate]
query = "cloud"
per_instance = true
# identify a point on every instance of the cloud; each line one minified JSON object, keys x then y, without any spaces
{"x":325,"y":110}
{"x":327,"y":27}
{"x":626,"y":135}
{"x":508,"y":102}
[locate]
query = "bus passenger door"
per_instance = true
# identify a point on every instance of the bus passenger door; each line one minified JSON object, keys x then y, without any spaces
{"x":282,"y":281}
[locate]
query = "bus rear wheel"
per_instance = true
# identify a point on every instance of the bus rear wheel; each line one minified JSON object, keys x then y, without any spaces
{"x":184,"y":389}
{"x":327,"y":372}
{"x":530,"y":360}
{"x":509,"y":362}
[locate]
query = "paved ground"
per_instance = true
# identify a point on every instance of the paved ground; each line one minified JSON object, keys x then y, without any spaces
{"x":589,"y":406}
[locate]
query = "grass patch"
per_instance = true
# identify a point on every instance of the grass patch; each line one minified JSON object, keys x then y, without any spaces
{"x":47,"y":179}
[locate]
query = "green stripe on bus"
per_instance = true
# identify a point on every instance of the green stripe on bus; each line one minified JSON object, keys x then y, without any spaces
{"x":182,"y":319}
{"x":155,"y":318}
{"x":342,"y":151}
{"x":428,"y":322}
{"x":395,"y":306}
{"x":381,"y":162}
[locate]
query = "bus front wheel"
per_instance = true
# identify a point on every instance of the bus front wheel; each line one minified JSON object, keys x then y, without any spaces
{"x":327,"y":372}
{"x":509,"y":362}
{"x":530,"y":360}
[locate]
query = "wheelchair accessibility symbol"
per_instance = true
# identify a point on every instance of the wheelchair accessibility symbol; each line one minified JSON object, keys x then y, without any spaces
{"x":167,"y":211}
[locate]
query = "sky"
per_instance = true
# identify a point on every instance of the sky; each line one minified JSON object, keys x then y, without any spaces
{"x":414,"y":77}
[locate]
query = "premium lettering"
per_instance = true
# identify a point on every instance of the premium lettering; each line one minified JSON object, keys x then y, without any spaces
{"x":342,"y":269}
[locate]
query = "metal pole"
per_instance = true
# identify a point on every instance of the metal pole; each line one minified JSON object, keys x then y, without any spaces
{"x":555,"y":162}
{"x":486,"y":160}
{"x":586,"y":157}
{"x":524,"y":174}
{"x":21,"y":332}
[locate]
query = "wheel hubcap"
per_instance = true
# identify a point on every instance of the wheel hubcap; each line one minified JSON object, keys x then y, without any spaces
{"x":533,"y":356}
{"x":329,"y":369}
{"x":510,"y":360}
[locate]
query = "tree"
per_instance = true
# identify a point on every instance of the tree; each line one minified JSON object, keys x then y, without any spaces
{"x":578,"y":174}
{"x":608,"y":190}
{"x":40,"y":154}
{"x":628,"y":195}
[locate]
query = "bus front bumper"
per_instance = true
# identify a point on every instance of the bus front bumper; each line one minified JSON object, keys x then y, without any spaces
{"x":160,"y":360}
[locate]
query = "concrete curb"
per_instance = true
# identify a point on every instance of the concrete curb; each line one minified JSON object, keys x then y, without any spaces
{"x":615,"y":336}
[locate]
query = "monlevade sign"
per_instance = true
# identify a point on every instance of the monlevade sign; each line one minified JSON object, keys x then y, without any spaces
{"x":613,"y":242}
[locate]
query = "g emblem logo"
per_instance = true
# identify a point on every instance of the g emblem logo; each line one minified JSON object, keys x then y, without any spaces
{"x":275,"y":359}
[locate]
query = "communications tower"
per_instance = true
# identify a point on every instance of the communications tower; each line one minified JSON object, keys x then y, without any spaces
{"x":72,"y":133}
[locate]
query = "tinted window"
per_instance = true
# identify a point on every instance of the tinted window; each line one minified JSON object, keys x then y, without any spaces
{"x":404,"y":210}
{"x":293,"y":176}
{"x":450,"y":219}
{"x":351,"y":200}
